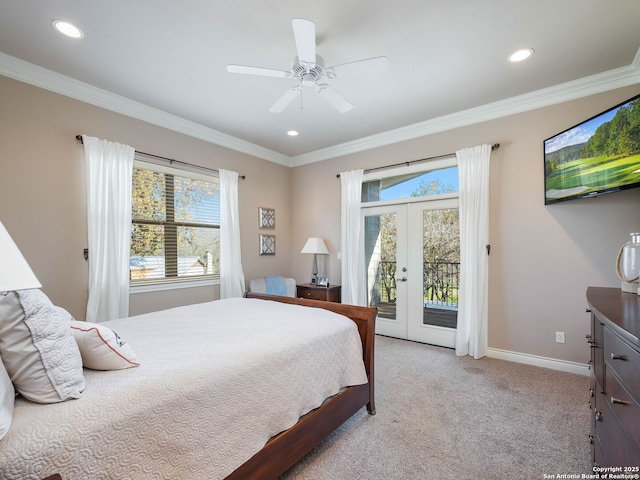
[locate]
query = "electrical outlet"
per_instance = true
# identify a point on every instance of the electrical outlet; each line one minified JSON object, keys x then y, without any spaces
{"x":559,"y":337}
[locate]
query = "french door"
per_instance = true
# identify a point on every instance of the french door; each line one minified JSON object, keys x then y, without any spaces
{"x":412,"y":267}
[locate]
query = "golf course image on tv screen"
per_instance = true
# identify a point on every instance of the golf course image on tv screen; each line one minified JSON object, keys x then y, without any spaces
{"x":597,"y":156}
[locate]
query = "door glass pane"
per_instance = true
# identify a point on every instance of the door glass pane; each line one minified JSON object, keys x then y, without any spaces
{"x":441,"y":267}
{"x":380,"y":261}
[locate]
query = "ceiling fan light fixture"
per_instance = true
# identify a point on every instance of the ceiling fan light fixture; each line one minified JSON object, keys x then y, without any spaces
{"x":521,"y":55}
{"x":308,"y":79}
{"x":68,"y":29}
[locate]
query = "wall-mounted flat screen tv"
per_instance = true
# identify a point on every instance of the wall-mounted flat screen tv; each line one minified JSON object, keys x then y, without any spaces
{"x":600,"y":155}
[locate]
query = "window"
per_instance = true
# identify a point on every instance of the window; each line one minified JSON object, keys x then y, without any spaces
{"x":175,"y":231}
{"x":418,"y":184}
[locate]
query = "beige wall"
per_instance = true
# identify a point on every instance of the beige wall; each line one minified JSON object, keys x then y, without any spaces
{"x":42,"y":190}
{"x":542,"y":257}
{"x":541,"y":262}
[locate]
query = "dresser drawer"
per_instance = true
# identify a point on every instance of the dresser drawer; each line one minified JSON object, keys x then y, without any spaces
{"x":624,"y":360}
{"x":611,"y":438}
{"x":624,"y":406}
{"x":598,"y":457}
{"x":597,"y":352}
{"x":313,"y":294}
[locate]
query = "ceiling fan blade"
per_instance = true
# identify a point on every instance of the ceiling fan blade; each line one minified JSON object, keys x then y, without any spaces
{"x":285,"y":100}
{"x":265,"y":72}
{"x":334,"y":98}
{"x":361,"y":67}
{"x":304,"y":32}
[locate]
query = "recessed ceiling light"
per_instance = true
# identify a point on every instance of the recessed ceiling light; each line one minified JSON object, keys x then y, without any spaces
{"x":67,"y":28}
{"x":292,"y":133}
{"x":521,"y":55}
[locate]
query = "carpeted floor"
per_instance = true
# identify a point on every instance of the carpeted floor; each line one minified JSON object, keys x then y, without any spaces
{"x":443,"y":417}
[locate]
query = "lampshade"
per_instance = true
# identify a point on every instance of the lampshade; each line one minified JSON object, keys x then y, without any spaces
{"x":15,"y":273}
{"x":315,"y":245}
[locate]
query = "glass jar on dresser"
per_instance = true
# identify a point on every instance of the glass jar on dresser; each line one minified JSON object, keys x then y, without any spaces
{"x":615,"y":379}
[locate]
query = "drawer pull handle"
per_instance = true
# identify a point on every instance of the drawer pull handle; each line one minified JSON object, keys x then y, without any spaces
{"x":615,"y":356}
{"x":615,"y":400}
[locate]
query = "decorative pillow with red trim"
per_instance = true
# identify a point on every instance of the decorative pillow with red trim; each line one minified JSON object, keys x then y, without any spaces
{"x":101,"y":348}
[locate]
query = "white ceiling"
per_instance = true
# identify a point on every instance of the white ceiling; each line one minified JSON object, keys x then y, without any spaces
{"x":446,"y":57}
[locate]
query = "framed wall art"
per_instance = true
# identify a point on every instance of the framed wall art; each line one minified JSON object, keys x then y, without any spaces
{"x":267,"y":217}
{"x":267,"y":244}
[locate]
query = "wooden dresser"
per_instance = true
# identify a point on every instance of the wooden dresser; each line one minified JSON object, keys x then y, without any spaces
{"x":615,"y":380}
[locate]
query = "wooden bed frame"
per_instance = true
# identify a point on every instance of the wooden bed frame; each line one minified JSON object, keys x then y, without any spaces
{"x":285,"y":449}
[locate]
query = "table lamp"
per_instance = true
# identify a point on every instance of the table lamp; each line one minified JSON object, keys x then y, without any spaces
{"x":316,"y":246}
{"x":15,"y":273}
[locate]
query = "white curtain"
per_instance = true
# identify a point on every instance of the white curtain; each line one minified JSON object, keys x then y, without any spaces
{"x":473,"y":176}
{"x":231,"y":273}
{"x":109,"y":170}
{"x":353,"y":281}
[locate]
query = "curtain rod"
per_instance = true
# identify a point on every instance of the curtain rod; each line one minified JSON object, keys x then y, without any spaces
{"x":495,"y":146}
{"x":170,"y":160}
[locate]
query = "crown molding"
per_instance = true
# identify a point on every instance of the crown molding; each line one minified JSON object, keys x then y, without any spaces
{"x":583,"y":87}
{"x":41,"y":77}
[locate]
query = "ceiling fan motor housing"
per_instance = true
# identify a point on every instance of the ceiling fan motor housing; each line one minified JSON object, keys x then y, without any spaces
{"x":308,"y":73}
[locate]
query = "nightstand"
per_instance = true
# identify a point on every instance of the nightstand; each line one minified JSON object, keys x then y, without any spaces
{"x":327,"y":294}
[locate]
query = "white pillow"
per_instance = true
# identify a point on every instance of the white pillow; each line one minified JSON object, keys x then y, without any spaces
{"x":38,"y":349}
{"x":102,"y":348}
{"x":7,"y":398}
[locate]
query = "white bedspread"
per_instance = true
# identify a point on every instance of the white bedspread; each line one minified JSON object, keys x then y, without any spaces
{"x":216,"y":381}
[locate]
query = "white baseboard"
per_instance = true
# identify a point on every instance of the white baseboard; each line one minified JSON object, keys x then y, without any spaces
{"x":552,"y":363}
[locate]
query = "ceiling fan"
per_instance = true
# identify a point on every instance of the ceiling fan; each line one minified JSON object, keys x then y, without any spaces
{"x":309,"y":70}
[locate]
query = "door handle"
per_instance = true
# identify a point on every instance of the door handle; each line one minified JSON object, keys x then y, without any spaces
{"x":403,"y":279}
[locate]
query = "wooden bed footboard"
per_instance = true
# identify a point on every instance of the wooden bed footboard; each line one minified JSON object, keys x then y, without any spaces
{"x":284,"y":450}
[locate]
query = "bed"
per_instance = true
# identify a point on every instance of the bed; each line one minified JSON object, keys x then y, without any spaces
{"x":183,"y":414}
